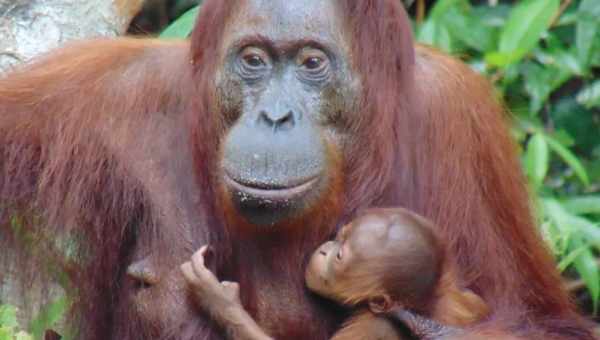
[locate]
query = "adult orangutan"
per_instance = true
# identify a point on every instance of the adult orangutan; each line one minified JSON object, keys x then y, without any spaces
{"x":278,"y":123}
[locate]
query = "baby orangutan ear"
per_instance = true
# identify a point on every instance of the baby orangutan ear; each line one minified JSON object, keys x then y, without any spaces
{"x":381,"y":304}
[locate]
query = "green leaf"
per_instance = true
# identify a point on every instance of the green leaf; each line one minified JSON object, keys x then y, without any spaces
{"x":570,"y":258}
{"x":568,"y":157}
{"x":595,"y":54}
{"x":493,"y":16}
{"x":537,"y":159}
{"x":23,"y":336}
{"x":6,"y":333}
{"x":589,"y":8}
{"x":433,"y":33}
{"x":583,"y":227}
{"x":525,"y":25}
{"x":501,"y":59}
{"x":567,"y":18}
{"x":182,"y":27}
{"x":589,"y":96}
{"x":465,"y":27}
{"x":583,"y":205}
{"x":565,"y":60}
{"x":8,"y":316}
{"x":426,"y":32}
{"x":540,"y":82}
{"x":587,"y":29}
{"x":554,"y":210}
{"x":578,"y":124}
{"x":587,"y":267}
{"x":579,"y":253}
{"x":48,"y":316}
{"x":563,"y":230}
{"x":442,"y":6}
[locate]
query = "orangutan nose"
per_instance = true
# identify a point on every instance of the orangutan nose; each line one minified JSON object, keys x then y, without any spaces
{"x":277,"y":122}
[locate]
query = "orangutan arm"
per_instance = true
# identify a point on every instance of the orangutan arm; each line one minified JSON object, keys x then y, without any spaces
{"x":94,"y":146}
{"x":495,"y":233}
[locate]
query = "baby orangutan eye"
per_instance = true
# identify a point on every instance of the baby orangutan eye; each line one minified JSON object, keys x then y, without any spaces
{"x":339,"y":255}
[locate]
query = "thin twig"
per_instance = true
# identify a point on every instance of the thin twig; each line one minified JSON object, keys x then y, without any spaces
{"x":574,"y":286}
{"x":496,"y":76}
{"x":563,"y":7}
{"x":420,"y":11}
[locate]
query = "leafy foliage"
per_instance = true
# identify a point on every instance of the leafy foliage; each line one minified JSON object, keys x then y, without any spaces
{"x":9,"y":325}
{"x":49,"y":316}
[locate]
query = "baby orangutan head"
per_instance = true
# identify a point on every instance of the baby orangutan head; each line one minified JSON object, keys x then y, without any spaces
{"x":384,"y":257}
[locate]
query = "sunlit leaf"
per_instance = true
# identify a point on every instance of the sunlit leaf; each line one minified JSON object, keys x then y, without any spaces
{"x":48,"y":316}
{"x":538,"y":84}
{"x":524,"y":28}
{"x":433,"y":33}
{"x":587,"y":29}
{"x":589,"y":96}
{"x":579,"y":255}
{"x":568,"y":157}
{"x":23,"y":336}
{"x":537,"y":158}
{"x":465,"y":27}
{"x":182,"y":27}
{"x":6,"y":333}
{"x":8,"y":316}
{"x":589,"y":8}
{"x":587,"y":230}
{"x":567,"y":260}
{"x":441,"y":7}
{"x":563,"y":59}
{"x":587,"y":267}
{"x":583,"y":204}
{"x":426,"y":32}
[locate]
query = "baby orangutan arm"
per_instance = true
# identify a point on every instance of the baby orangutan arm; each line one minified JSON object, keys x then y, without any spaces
{"x":424,"y":328}
{"x":221,"y":300}
{"x":428,"y":329}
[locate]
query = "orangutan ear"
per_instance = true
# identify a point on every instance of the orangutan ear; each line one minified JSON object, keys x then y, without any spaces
{"x":381,"y":304}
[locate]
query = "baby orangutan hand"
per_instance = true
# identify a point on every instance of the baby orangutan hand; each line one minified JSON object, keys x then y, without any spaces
{"x":221,"y":300}
{"x":427,"y":329}
{"x":206,"y":288}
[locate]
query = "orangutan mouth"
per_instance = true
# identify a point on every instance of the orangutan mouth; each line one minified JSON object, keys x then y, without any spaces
{"x":272,"y":192}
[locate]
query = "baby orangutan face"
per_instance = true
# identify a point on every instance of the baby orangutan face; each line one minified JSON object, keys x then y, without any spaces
{"x":385,"y":255}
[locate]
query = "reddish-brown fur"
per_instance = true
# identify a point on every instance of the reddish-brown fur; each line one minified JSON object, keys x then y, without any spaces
{"x":87,"y":140}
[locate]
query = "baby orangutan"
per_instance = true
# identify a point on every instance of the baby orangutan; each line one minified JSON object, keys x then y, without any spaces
{"x":388,"y":262}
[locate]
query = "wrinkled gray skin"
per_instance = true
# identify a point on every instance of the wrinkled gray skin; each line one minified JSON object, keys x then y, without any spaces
{"x":288,"y":62}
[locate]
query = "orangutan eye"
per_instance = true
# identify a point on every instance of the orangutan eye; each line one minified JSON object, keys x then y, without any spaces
{"x":313,"y":63}
{"x":339,"y":254}
{"x":254,"y":61}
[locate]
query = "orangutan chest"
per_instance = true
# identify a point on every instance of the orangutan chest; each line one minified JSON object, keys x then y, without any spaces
{"x":286,"y":313}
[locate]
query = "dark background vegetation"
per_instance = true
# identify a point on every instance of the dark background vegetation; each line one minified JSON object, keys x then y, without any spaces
{"x":544,"y":58}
